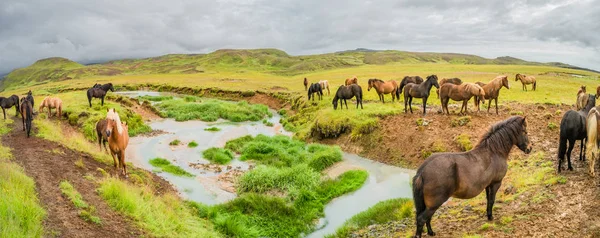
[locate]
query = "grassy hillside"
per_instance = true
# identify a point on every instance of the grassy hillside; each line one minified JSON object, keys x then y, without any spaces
{"x":267,"y":61}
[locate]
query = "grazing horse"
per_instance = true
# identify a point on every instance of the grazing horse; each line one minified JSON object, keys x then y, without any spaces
{"x":348,"y":92}
{"x":581,"y":98}
{"x":99,"y":91}
{"x":412,"y":90}
{"x":526,"y":80}
{"x":572,"y":129}
{"x":325,"y":85}
{"x":597,"y":92}
{"x":592,"y":139}
{"x":100,"y":132}
{"x":406,"y":80}
{"x":305,"y":84}
{"x":391,"y":86}
{"x":462,"y":92}
{"x":455,"y":81}
{"x":465,"y":175}
{"x":352,"y":80}
{"x":315,"y":88}
{"x":52,"y":102}
{"x":9,"y":102}
{"x":26,"y":114}
{"x":492,"y":90}
{"x":118,"y":139}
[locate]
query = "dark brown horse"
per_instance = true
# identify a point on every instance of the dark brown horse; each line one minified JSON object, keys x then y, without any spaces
{"x":26,"y":114}
{"x":305,"y":84}
{"x":382,"y":88}
{"x":315,"y":88}
{"x":6,"y":103}
{"x":492,"y":90}
{"x":99,"y":91}
{"x":406,"y":80}
{"x":573,"y":128}
{"x":465,"y":175}
{"x":455,"y":81}
{"x":422,"y":90}
{"x":101,"y":133}
{"x":348,"y":92}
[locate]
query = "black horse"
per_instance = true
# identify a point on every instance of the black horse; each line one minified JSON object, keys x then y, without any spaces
{"x":348,"y":92}
{"x":99,"y":91}
{"x":315,"y":88}
{"x":412,"y":90}
{"x":572,"y":129}
{"x":406,"y":80}
{"x":9,"y":102}
{"x":26,"y":114}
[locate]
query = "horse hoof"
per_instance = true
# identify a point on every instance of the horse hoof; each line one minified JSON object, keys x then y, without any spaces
{"x":570,"y":168}
{"x":490,"y":217}
{"x":431,"y":233}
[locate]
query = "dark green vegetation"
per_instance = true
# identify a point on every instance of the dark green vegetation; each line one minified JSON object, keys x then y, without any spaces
{"x":166,"y":166}
{"x":285,"y":194}
{"x":211,"y":110}
{"x":175,"y":142}
{"x":193,"y":144}
{"x":86,"y":211}
{"x":155,"y":98}
{"x":263,"y":60}
{"x":390,"y":210}
{"x":218,"y":155}
{"x":214,"y":129}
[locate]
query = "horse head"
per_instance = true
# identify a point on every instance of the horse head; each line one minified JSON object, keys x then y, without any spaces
{"x":522,"y":139}
{"x":335,"y":103}
{"x":110,"y":86}
{"x":434,"y":80}
{"x":517,"y":77}
{"x":113,"y":121}
{"x":505,"y":82}
{"x":370,"y":82}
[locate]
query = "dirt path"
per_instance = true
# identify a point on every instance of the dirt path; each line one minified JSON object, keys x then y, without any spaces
{"x":49,"y":163}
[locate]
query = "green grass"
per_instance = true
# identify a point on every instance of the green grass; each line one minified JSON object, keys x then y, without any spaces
{"x":211,"y":110}
{"x":86,"y":211}
{"x":218,"y":155}
{"x":289,"y":180}
{"x":267,"y":123}
{"x":193,"y":144}
{"x":166,"y":166}
{"x":464,"y":142}
{"x":155,"y":98}
{"x":383,"y":212}
{"x":214,"y":129}
{"x":175,"y":142}
{"x":162,"y":216}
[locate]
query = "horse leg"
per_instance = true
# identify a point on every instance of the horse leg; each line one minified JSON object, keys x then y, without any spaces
{"x":571,"y":145}
{"x":23,"y":117}
{"x":3,"y":112}
{"x":424,"y":106}
{"x":115,"y":162}
{"x":49,"y":112}
{"x":424,"y":218}
{"x":582,"y":150}
{"x":405,"y":104}
{"x":491,"y":198}
{"x":346,"y":102}
{"x":410,"y":104}
{"x":122,"y":162}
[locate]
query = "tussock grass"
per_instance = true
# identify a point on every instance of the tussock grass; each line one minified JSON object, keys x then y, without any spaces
{"x":161,"y":216}
{"x":193,"y":144}
{"x":218,"y":155}
{"x":166,"y":166}
{"x":215,"y":129}
{"x":175,"y":142}
{"x":211,"y":110}
{"x":155,"y":98}
{"x":290,"y":179}
{"x":383,"y":212}
{"x":464,"y":142}
{"x":86,"y":211}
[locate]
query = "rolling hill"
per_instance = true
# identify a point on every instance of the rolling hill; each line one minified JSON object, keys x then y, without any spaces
{"x":271,"y":61}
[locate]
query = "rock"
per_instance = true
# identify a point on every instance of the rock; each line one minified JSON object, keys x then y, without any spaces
{"x":509,"y":190}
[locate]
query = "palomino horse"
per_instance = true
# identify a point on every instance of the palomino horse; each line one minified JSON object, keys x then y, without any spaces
{"x":389,"y":87}
{"x":526,"y":80}
{"x":492,"y":90}
{"x":465,"y":175}
{"x":581,"y":98}
{"x":572,"y":129}
{"x":315,"y":88}
{"x":325,"y":85}
{"x":99,"y":91}
{"x":101,"y":133}
{"x":348,"y":92}
{"x":52,"y":102}
{"x":455,"y":81}
{"x":6,"y":103}
{"x":422,"y":90}
{"x":406,"y":80}
{"x":305,"y":84}
{"x":462,"y":92}
{"x":592,"y":139}
{"x":26,"y":114}
{"x":118,"y":139}
{"x":352,"y":80}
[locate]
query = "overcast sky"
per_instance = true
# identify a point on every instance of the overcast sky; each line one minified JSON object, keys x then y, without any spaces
{"x":93,"y":31}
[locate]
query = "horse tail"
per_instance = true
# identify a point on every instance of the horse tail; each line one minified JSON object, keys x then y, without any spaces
{"x":418,"y":197}
{"x":562,"y":146}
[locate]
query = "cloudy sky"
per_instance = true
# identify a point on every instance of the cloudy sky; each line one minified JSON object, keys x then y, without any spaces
{"x":93,"y":31}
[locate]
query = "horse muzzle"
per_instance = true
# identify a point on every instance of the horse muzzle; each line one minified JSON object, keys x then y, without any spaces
{"x":107,"y":133}
{"x":528,"y":150}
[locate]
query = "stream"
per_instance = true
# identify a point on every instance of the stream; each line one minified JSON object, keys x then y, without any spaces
{"x":212,"y":184}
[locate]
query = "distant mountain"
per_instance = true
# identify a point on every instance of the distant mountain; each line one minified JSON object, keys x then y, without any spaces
{"x":271,"y":61}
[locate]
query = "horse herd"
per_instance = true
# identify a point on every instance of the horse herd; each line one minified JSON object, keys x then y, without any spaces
{"x":416,"y":87}
{"x":110,"y":129}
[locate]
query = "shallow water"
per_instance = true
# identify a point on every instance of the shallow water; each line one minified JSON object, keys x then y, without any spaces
{"x":384,"y":181}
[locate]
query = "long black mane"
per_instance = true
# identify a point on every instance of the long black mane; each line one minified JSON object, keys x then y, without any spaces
{"x":501,"y":137}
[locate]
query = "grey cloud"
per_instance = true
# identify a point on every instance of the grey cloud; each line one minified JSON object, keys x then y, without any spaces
{"x":92,"y":31}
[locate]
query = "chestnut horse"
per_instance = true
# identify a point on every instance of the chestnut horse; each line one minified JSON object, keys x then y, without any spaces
{"x":422,"y":90}
{"x":325,"y":85}
{"x":52,"y":102}
{"x":305,"y":84}
{"x":581,"y":98}
{"x":492,"y":90}
{"x":118,"y":139}
{"x":353,"y":80}
{"x":592,"y":139}
{"x":455,"y":81}
{"x":526,"y":80}
{"x":26,"y":114}
{"x":465,"y":175}
{"x":406,"y":80}
{"x":389,"y":87}
{"x":462,"y":92}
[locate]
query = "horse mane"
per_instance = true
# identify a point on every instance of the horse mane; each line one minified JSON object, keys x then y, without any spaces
{"x":376,"y":80}
{"x":112,"y":114}
{"x":503,"y":135}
